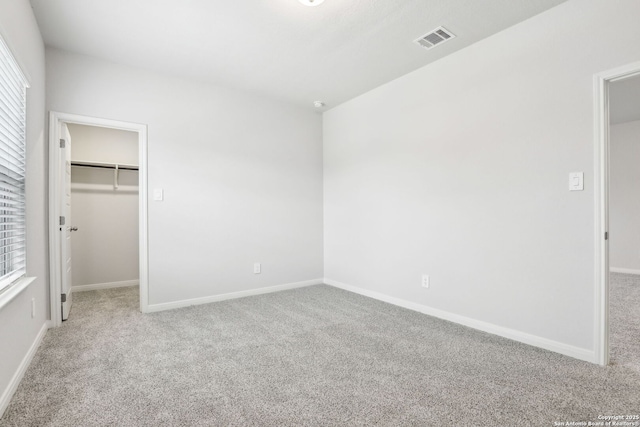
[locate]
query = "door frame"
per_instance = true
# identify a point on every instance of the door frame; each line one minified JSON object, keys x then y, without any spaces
{"x":55,"y":193}
{"x":601,"y":182}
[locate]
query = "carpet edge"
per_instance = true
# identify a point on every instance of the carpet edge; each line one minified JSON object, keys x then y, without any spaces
{"x":512,"y":334}
{"x":232,"y":295}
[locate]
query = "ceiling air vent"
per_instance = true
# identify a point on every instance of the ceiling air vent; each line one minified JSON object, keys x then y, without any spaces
{"x":435,"y":37}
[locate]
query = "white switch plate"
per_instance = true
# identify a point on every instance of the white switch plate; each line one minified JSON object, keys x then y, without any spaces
{"x":256,"y":268}
{"x":576,"y":181}
{"x":33,"y":308}
{"x":158,"y":194}
{"x":425,"y":281}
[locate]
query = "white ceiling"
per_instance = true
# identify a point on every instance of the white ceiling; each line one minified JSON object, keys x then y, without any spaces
{"x":278,"y":48}
{"x":624,"y":100}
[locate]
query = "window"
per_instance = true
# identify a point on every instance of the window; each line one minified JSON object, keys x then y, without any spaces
{"x":13,"y":89}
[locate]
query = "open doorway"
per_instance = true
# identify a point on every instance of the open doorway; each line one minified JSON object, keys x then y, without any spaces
{"x":624,"y":221}
{"x":98,"y":208}
{"x":104,"y":208}
{"x":617,"y":239}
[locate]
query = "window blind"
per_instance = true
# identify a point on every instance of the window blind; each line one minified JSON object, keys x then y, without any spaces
{"x":12,"y":169}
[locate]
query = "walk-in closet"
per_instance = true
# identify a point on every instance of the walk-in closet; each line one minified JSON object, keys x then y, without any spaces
{"x":104,"y":207}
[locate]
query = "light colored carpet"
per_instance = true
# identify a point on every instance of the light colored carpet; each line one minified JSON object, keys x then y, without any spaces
{"x":314,"y":356}
{"x":624,"y":320}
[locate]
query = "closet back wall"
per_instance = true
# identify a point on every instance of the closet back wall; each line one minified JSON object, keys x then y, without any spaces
{"x":624,"y":198}
{"x":105,"y":247}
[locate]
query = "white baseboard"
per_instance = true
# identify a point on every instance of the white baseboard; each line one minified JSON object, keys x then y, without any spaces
{"x":623,"y":270}
{"x":547,"y":344}
{"x":233,"y":295}
{"x":5,"y":399}
{"x":109,"y":285}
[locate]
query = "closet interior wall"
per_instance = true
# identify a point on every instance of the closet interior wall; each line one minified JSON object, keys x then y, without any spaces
{"x":624,"y":197}
{"x":105,"y":247}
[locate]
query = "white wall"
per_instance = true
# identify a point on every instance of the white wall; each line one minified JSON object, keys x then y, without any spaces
{"x":624,"y":196}
{"x":18,"y":331}
{"x":242,"y":176}
{"x":460,"y":170}
{"x":105,"y":247}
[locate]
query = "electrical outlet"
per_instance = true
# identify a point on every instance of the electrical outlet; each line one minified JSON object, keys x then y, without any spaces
{"x":256,"y":268}
{"x":33,"y":308}
{"x":425,"y":281}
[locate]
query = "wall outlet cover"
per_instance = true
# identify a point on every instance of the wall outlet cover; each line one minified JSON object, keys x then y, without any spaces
{"x":425,"y":281}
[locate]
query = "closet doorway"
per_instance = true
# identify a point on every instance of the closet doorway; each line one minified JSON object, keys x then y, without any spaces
{"x":603,"y":82}
{"x":98,"y":208}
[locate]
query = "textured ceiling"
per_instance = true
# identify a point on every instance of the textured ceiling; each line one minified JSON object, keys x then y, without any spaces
{"x":278,"y":48}
{"x":624,"y":100}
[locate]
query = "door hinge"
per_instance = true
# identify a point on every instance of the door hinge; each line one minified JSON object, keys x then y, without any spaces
{"x":606,"y":235}
{"x":63,"y":297}
{"x":63,"y":143}
{"x":62,"y":220}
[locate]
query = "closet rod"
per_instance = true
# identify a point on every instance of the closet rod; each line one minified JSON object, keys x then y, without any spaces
{"x":104,"y":165}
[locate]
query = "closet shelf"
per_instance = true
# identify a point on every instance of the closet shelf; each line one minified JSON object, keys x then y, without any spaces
{"x":117,"y":167}
{"x":120,"y":166}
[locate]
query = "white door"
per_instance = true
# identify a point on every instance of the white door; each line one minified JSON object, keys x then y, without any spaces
{"x":65,"y":224}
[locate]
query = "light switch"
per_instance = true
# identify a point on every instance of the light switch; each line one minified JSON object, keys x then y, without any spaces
{"x":158,"y":194}
{"x":576,"y":181}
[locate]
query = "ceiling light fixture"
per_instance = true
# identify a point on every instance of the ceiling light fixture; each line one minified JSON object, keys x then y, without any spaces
{"x":311,"y":2}
{"x":318,"y":104}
